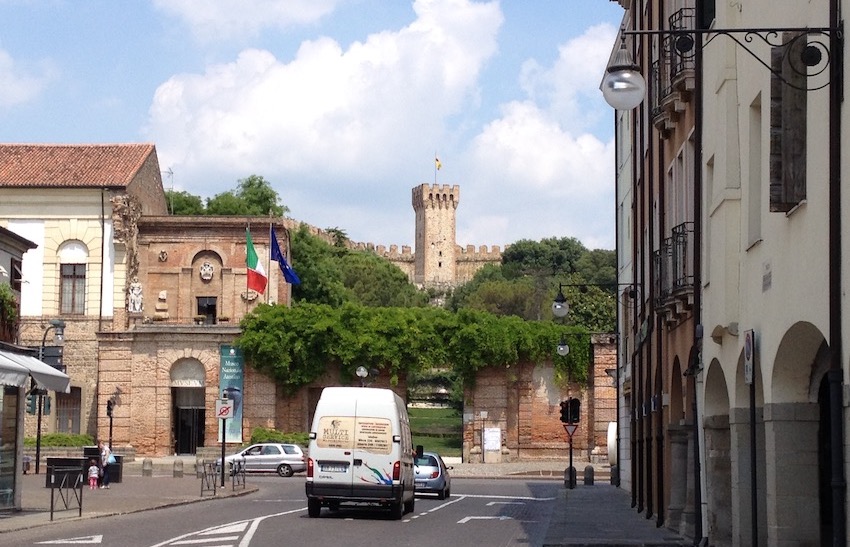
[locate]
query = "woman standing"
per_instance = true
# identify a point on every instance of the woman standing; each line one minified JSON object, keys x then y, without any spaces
{"x":105,"y":454}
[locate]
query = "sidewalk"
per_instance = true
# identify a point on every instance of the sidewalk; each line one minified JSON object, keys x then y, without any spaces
{"x":598,"y":514}
{"x":134,"y":493}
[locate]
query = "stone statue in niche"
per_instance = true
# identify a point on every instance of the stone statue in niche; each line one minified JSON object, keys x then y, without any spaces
{"x":207,"y":271}
{"x":135,"y":298}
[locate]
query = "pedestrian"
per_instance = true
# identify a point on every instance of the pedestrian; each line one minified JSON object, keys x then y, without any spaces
{"x":105,"y":456}
{"x":94,"y":474}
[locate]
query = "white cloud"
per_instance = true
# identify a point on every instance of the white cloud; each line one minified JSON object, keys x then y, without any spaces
{"x":328,"y":110}
{"x":217,"y":19}
{"x":22,"y":84}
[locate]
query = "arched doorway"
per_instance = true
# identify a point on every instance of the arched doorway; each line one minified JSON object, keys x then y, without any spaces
{"x":718,"y":461}
{"x":187,"y":395}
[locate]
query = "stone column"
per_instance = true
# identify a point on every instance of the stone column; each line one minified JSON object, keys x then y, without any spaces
{"x":678,"y":436}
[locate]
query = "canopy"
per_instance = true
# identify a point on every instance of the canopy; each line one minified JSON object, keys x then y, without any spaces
{"x":11,"y":373}
{"x":44,"y":375}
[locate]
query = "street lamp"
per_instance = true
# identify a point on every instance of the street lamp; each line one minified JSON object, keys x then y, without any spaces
{"x":58,"y":328}
{"x":362,"y":373}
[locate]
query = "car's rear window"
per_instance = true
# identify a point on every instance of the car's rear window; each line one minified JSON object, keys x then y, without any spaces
{"x":290,"y":449}
{"x":429,"y":461}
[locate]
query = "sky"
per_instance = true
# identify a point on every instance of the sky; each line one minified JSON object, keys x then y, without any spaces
{"x":342,"y":105}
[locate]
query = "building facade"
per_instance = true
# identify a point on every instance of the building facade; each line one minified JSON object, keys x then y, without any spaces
{"x":753,"y":391}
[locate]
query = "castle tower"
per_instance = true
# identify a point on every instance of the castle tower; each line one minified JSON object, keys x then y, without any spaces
{"x":435,"y":252}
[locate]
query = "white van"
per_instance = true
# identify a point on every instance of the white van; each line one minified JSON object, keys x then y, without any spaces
{"x":360,"y":451}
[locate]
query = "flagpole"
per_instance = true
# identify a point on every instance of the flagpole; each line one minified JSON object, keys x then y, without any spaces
{"x":247,"y":293}
{"x":269,"y":259}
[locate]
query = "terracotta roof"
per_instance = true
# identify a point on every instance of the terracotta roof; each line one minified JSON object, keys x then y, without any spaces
{"x":71,"y":165}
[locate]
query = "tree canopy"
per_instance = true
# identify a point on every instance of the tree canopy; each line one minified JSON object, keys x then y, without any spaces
{"x":254,"y":196}
{"x":295,"y":345}
{"x":335,"y":274}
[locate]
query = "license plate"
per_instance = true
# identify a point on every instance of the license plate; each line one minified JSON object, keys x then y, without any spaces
{"x":333,"y":467}
{"x":419,"y":484}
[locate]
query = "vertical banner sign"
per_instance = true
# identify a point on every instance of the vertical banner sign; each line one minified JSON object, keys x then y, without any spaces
{"x":230,"y":384}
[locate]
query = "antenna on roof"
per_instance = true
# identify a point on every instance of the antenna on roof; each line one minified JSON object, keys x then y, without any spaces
{"x":170,"y":174}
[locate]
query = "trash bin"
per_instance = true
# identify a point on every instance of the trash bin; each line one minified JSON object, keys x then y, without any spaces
{"x":116,"y":470}
{"x":25,"y":464}
{"x":65,"y":471}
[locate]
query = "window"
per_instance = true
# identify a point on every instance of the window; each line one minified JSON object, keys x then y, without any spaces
{"x":788,"y":110}
{"x":68,"y":407}
{"x":17,"y":275}
{"x":72,"y":290}
{"x":207,"y":308}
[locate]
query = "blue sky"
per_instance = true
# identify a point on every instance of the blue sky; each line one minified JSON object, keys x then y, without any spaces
{"x":340,"y":104}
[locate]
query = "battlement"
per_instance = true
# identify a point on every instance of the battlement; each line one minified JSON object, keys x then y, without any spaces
{"x":435,"y":196}
{"x":381,"y":250}
{"x":485,"y":252}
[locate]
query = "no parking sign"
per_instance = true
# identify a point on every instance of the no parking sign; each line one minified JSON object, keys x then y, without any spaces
{"x":749,"y":355}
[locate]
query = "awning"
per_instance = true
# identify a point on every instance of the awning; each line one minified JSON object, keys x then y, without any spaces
{"x":11,"y":373}
{"x":44,"y":375}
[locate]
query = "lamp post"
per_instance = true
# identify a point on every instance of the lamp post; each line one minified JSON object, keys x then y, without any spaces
{"x":58,"y":328}
{"x":810,"y":54}
{"x":362,"y":373}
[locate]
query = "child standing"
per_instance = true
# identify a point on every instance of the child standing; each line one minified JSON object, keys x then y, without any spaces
{"x":94,"y":473}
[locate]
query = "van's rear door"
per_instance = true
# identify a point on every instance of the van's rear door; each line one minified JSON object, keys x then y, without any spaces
{"x":334,"y":457}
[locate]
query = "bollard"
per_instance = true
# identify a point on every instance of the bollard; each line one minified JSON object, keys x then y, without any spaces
{"x":147,"y":467}
{"x":570,"y":477}
{"x":177,"y":473}
{"x":615,"y":475}
{"x":588,"y":475}
{"x":199,"y":468}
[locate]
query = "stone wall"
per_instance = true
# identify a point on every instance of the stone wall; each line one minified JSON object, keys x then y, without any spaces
{"x":524,"y":402}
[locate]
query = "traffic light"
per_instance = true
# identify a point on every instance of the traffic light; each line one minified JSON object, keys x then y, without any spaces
{"x":565,"y":412}
{"x":109,"y":405}
{"x":31,"y":402}
{"x":575,"y":410}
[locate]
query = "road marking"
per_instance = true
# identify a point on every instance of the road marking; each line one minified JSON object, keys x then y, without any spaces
{"x":213,"y":533}
{"x":73,"y":541}
{"x":505,"y":503}
{"x":528,"y":498}
{"x":464,"y":520}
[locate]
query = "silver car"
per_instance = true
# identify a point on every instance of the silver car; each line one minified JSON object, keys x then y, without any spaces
{"x":280,"y":458}
{"x":432,"y":475}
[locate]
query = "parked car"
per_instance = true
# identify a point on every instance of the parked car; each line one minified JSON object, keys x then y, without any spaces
{"x":280,"y":458}
{"x":432,"y":475}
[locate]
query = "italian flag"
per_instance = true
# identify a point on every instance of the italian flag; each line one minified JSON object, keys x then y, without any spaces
{"x":257,"y":278}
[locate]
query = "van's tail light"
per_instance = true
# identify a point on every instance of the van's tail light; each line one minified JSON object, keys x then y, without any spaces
{"x":310,"y":467}
{"x":397,"y":471}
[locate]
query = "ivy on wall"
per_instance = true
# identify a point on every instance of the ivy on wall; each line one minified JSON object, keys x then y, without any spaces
{"x":8,"y":312}
{"x":296,"y":345}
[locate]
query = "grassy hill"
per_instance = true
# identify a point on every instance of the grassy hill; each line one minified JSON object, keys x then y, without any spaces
{"x":437,"y":430}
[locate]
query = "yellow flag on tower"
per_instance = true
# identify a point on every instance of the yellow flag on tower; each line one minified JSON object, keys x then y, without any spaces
{"x":437,"y":163}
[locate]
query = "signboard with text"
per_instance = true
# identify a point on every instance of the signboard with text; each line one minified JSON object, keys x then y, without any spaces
{"x":230,"y":381}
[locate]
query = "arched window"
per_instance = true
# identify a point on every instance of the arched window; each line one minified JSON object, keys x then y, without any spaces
{"x":73,"y":257}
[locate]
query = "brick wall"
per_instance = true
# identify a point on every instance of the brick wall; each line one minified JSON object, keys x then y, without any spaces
{"x":524,"y":402}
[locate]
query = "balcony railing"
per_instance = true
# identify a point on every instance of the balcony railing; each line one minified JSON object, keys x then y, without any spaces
{"x":674,"y":276}
{"x":671,"y":77}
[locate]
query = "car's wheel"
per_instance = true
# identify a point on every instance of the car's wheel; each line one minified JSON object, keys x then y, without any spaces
{"x":397,"y":510}
{"x":409,"y":505}
{"x":441,"y":495}
{"x":284,"y":470}
{"x":448,"y":493}
{"x":314,"y":507}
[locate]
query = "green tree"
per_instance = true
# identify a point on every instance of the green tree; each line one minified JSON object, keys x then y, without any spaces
{"x":254,"y":196}
{"x":548,"y":257}
{"x":261,"y":198}
{"x":184,"y":203}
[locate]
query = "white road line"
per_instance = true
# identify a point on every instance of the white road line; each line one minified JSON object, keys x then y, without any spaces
{"x":237,"y":526}
{"x":505,"y":503}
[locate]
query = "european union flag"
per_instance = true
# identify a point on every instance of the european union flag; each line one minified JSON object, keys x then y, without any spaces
{"x":288,"y":273}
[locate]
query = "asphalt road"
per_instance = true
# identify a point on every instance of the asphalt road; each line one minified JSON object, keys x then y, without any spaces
{"x":479,"y":512}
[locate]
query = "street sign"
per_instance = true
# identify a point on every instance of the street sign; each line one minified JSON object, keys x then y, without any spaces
{"x":749,"y":355}
{"x":223,"y":409}
{"x":570,"y":429}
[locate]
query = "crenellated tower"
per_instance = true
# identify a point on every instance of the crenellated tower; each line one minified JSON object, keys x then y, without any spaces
{"x":435,"y":244}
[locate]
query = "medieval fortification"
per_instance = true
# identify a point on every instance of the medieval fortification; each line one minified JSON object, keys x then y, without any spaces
{"x":439,"y":262}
